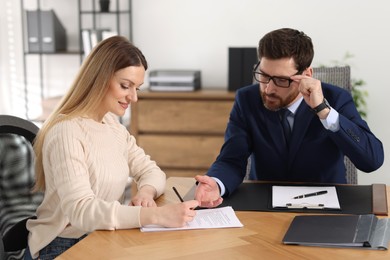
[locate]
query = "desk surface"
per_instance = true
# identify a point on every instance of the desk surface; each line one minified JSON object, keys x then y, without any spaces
{"x":260,"y":238}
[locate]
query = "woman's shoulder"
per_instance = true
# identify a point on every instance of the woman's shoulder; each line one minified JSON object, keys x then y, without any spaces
{"x":65,"y":128}
{"x":70,"y":123}
{"x":111,"y":119}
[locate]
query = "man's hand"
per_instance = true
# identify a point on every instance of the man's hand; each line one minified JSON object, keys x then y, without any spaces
{"x":207,"y":192}
{"x":310,"y":89}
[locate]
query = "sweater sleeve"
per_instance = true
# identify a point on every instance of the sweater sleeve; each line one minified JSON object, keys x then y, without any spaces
{"x":144,"y":170}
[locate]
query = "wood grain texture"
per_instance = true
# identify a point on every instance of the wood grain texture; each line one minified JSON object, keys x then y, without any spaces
{"x":182,"y":131}
{"x":178,"y":151}
{"x":260,"y":238}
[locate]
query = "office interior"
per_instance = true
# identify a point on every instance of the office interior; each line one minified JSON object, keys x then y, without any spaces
{"x":196,"y":34}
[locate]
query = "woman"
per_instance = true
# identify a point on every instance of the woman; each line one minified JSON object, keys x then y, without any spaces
{"x":84,"y":157}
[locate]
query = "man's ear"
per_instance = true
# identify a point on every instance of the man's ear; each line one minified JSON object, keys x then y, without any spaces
{"x":308,"y":72}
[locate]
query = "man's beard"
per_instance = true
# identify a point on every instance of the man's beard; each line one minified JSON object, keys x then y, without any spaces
{"x":277,"y":102}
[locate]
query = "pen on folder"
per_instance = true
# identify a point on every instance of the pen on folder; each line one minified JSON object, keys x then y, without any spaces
{"x":178,"y":194}
{"x":311,"y":194}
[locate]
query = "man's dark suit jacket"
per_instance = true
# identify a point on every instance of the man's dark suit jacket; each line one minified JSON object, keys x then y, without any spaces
{"x":314,"y":154}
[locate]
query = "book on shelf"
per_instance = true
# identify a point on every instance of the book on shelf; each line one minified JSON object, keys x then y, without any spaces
{"x":91,"y":37}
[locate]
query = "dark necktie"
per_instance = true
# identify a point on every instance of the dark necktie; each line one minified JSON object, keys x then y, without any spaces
{"x":283,"y":114}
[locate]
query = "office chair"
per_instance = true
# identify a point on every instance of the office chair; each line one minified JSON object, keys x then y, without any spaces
{"x":2,"y":252}
{"x":341,"y":77}
{"x":16,"y":125}
{"x":17,"y":203}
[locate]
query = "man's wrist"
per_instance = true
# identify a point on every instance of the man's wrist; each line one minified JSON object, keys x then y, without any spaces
{"x":221,"y":187}
{"x":321,"y":107}
{"x":324,"y":113}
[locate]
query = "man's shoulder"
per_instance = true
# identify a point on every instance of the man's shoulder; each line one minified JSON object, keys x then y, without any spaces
{"x":249,"y":89}
{"x":333,"y":92}
{"x":326,"y":87}
{"x":248,"y":92}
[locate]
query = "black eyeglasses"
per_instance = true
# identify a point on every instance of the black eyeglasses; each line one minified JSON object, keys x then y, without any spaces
{"x":283,"y":82}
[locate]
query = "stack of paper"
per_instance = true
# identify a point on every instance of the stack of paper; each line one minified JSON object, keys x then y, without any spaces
{"x":205,"y":219}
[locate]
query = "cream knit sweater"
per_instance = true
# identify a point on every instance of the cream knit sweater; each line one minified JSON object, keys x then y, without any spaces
{"x":86,"y":166}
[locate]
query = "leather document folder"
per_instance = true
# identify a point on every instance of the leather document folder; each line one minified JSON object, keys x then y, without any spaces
{"x":356,"y":231}
{"x":353,"y":199}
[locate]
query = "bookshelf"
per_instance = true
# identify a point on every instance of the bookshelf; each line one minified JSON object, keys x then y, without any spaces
{"x":88,"y":15}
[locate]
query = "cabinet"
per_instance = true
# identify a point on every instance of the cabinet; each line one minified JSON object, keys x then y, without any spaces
{"x":183,"y":132}
{"x":46,"y":69}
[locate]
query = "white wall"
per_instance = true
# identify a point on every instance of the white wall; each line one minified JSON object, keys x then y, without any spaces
{"x":196,"y":34}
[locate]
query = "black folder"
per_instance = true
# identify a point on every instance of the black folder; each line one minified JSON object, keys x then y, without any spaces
{"x":356,"y":231}
{"x":354,"y":199}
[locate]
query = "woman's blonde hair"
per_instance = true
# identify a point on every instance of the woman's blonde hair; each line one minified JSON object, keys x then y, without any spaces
{"x":88,"y":89}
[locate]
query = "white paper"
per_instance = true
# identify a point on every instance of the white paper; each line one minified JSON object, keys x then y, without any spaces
{"x":205,"y":218}
{"x":284,"y":195}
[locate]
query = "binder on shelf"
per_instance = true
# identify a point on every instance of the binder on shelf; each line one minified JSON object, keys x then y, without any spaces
{"x":45,"y":33}
{"x":175,"y":80}
{"x":356,"y":231}
{"x":241,"y":65}
{"x":86,"y":39}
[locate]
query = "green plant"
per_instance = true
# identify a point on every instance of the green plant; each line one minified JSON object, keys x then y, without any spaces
{"x":358,"y":94}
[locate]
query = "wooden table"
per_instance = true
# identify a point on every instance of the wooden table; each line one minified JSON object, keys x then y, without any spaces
{"x":260,"y":238}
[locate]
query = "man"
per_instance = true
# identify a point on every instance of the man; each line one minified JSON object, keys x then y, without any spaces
{"x":325,"y":125}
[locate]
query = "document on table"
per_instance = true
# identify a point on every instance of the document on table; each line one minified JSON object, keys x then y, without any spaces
{"x":205,"y":219}
{"x":310,"y":197}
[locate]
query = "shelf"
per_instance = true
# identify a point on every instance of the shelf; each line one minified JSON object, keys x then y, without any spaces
{"x":104,"y":13}
{"x":91,"y":20}
{"x":54,"y":53}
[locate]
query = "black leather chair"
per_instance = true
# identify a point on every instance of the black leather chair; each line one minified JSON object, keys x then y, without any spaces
{"x":16,"y":125}
{"x":17,"y":203}
{"x":2,"y":252}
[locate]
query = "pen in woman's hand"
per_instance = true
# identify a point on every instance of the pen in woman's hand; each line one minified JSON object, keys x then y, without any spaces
{"x":181,"y":198}
{"x":178,"y":194}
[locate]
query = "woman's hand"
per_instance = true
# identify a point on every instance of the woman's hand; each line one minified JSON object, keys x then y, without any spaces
{"x":144,"y":197}
{"x":170,"y":215}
